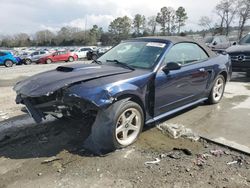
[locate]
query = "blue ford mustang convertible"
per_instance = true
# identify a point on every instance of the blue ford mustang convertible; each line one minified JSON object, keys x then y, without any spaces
{"x":137,"y":82}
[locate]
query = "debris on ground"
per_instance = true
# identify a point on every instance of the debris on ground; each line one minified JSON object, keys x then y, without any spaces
{"x":51,"y":159}
{"x":201,"y":159}
{"x":217,"y":152}
{"x":184,"y":150}
{"x":58,"y":166}
{"x":238,"y":160}
{"x":156,"y":161}
{"x":233,"y":162}
{"x":4,"y":115}
{"x":177,"y":131}
{"x":176,"y":153}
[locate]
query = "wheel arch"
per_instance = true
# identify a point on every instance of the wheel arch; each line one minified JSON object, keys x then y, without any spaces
{"x":224,"y":74}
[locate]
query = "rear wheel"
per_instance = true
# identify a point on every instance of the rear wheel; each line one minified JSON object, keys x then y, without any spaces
{"x":48,"y":61}
{"x":116,"y":127}
{"x":217,"y":91}
{"x":8,"y":63}
{"x":71,"y":59}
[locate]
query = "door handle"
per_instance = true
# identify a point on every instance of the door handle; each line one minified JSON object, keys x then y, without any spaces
{"x":202,"y":70}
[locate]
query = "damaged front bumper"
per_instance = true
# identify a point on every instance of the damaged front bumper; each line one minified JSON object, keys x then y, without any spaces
{"x":57,"y":105}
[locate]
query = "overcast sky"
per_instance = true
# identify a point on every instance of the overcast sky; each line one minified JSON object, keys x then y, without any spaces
{"x":32,"y":15}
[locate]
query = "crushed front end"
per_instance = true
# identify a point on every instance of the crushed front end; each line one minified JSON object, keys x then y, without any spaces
{"x":58,"y":104}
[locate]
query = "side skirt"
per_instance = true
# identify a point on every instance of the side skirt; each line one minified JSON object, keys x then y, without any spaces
{"x":175,"y":111}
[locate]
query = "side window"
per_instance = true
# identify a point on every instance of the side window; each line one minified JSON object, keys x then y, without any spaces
{"x":185,"y":53}
{"x":2,"y":54}
{"x":42,"y":52}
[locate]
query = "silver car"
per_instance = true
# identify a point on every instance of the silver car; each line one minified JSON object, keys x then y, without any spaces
{"x":217,"y":43}
{"x":35,"y":56}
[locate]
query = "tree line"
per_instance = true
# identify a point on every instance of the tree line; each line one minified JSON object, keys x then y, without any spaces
{"x":228,"y":12}
{"x":168,"y":21}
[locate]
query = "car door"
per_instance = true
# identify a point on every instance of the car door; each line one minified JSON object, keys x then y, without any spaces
{"x":180,"y":87}
{"x":2,"y":54}
{"x":64,"y":56}
{"x":56,"y":56}
{"x":34,"y":56}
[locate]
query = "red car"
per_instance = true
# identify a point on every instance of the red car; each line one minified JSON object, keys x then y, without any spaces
{"x":58,"y":56}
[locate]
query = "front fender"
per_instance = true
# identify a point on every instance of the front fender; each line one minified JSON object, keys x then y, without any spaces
{"x":103,"y":97}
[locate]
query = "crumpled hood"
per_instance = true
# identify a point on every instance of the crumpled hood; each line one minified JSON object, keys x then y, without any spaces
{"x":238,"y":48}
{"x":47,"y":82}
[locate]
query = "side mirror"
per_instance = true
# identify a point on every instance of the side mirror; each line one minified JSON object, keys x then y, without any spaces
{"x":171,"y":66}
{"x":214,"y":43}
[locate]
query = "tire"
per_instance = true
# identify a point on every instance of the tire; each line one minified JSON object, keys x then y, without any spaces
{"x":71,"y":59}
{"x":217,"y":91}
{"x":248,"y":74}
{"x":48,"y":61}
{"x":94,"y":57}
{"x":115,"y":127}
{"x":8,"y":63}
{"x":28,"y":62}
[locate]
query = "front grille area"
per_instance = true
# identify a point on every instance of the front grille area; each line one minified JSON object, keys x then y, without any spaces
{"x":240,"y":61}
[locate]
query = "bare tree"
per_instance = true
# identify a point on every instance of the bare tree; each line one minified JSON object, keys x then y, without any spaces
{"x":244,"y":15}
{"x":152,"y":25}
{"x":21,"y":39}
{"x":226,"y":10}
{"x":44,"y":37}
{"x":205,"y":22}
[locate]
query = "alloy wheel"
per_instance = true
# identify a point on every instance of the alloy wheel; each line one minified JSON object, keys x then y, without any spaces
{"x":218,"y":89}
{"x":128,"y":126}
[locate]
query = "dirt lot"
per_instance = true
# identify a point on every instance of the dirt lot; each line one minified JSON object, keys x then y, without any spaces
{"x":52,"y":154}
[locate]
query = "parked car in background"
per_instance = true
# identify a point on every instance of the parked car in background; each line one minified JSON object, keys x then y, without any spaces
{"x":34,"y":57}
{"x":7,"y":59}
{"x":240,"y":55}
{"x":82,"y":52}
{"x":139,"y":81}
{"x":217,"y":43}
{"x":94,"y":54}
{"x":58,"y":56}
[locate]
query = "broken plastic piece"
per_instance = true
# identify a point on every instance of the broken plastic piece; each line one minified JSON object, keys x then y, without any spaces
{"x":156,"y":161}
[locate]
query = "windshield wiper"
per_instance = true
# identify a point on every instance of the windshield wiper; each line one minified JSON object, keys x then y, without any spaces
{"x":120,"y":63}
{"x":97,"y":62}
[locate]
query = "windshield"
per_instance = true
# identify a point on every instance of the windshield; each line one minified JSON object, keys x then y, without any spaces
{"x":135,"y":54}
{"x":209,"y":39}
{"x":245,"y":40}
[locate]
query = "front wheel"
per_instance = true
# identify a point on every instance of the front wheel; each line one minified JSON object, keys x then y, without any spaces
{"x":8,"y":63}
{"x":94,"y":57}
{"x":217,"y":91}
{"x":28,"y":61}
{"x":248,"y":74}
{"x":116,"y":127}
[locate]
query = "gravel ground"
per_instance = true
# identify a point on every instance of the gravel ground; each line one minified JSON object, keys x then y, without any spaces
{"x":52,"y":154}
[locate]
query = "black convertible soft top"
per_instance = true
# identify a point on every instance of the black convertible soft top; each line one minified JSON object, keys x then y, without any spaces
{"x":176,"y":40}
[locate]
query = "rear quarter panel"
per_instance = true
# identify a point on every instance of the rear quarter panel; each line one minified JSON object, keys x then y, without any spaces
{"x":218,"y":65}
